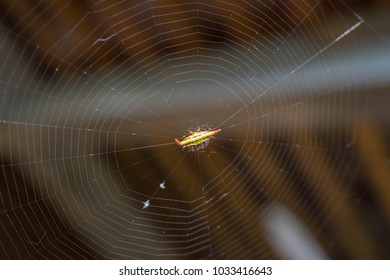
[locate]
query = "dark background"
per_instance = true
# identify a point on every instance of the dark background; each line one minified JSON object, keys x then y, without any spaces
{"x":323,"y":192}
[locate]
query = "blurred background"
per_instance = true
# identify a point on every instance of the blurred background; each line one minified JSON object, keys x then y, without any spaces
{"x":93,"y":94}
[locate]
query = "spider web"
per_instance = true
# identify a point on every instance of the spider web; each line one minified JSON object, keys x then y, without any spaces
{"x":90,"y":166}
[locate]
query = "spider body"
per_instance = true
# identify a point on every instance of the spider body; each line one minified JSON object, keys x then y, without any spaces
{"x":197,"y":140}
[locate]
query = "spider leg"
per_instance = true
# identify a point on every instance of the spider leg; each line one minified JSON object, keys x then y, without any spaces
{"x":177,"y":142}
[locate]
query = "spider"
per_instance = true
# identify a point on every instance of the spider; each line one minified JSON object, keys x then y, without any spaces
{"x":198,"y":140}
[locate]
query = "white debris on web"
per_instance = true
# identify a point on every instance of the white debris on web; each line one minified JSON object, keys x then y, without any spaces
{"x":103,"y":39}
{"x":146,"y":204}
